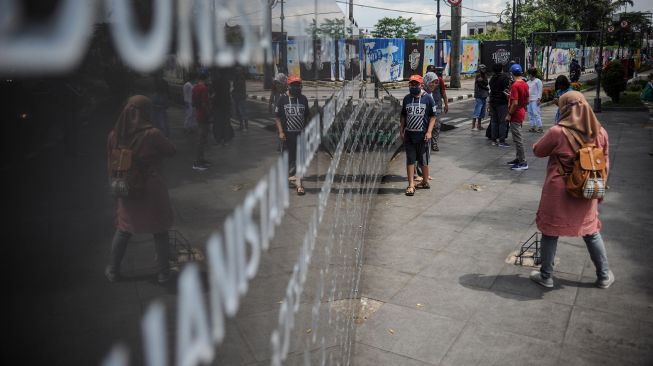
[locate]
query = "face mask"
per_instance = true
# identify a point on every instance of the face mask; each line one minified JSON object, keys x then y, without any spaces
{"x":295,"y":90}
{"x":415,"y":90}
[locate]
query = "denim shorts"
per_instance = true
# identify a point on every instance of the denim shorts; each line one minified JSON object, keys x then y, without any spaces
{"x":479,"y":108}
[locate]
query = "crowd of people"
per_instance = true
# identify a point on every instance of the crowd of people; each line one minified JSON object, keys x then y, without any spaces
{"x":559,"y":213}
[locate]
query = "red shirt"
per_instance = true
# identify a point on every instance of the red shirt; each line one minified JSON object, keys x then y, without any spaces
{"x":519,"y":95}
{"x":201,"y":102}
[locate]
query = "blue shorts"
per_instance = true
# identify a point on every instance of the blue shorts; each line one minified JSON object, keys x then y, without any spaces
{"x":479,"y":108}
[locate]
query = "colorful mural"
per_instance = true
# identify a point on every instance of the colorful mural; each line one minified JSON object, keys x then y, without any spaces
{"x":469,"y":56}
{"x":429,"y":54}
{"x":293,"y":58}
{"x":387,"y":57}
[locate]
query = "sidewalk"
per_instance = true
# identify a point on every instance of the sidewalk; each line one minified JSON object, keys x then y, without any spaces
{"x":436,"y":285}
{"x":321,"y":90}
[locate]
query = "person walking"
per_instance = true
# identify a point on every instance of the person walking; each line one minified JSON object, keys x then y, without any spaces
{"x":239,"y":95}
{"x":560,"y":214}
{"x":279,"y":88}
{"x":190,"y":124}
{"x":161,"y":102}
{"x":442,"y":104}
{"x":416,"y":126}
{"x":481,"y":92}
{"x":535,"y":89}
{"x":431,"y":84}
{"x":292,"y":112}
{"x":516,"y":115}
{"x":499,"y":95}
{"x":220,"y":96}
{"x":201,"y":104}
{"x":561,"y":86}
{"x":148,"y":209}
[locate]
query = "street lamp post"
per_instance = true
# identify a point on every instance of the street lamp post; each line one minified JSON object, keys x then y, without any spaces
{"x":437,"y":35}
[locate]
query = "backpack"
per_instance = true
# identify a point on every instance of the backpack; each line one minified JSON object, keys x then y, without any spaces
{"x":127,"y":171}
{"x":588,"y":176}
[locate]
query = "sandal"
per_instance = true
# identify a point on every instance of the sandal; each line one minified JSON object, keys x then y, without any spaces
{"x":410,"y":191}
{"x":424,"y":185}
{"x":418,"y":179}
{"x":300,"y":191}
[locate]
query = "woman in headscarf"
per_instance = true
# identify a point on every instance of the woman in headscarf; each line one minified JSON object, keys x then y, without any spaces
{"x":560,"y":214}
{"x":149,"y":211}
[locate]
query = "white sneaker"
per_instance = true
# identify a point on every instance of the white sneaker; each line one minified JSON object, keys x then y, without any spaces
{"x":536,"y":277}
{"x":606,"y":282}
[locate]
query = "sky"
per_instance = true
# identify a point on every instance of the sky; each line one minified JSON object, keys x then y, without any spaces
{"x":367,"y":17}
{"x":300,"y":13}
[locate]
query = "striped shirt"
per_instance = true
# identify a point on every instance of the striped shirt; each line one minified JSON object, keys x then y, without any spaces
{"x":293,"y":112}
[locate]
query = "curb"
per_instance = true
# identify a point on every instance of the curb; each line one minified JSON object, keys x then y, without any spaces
{"x":625,"y":109}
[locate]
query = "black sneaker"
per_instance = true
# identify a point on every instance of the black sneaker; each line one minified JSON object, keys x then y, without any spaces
{"x":199,"y":166}
{"x":503,"y":144}
{"x":435,"y":147}
{"x":513,"y":162}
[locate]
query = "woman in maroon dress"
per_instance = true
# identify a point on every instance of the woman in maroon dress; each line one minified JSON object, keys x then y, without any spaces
{"x":150,"y":211}
{"x":559,"y":213}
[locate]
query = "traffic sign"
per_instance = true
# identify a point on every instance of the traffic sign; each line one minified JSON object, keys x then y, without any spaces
{"x":611,"y":29}
{"x":624,"y":24}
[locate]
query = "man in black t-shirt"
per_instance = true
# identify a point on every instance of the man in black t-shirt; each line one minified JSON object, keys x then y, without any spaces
{"x":499,"y":95}
{"x":417,"y":121}
{"x":291,"y":116}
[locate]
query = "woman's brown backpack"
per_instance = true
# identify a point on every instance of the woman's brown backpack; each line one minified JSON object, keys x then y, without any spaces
{"x":588,"y":176}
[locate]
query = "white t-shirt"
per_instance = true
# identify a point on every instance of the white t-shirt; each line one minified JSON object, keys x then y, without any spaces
{"x":534,"y":90}
{"x":188,"y":93}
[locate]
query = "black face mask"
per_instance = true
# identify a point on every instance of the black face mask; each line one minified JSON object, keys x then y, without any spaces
{"x":295,"y":90}
{"x":415,"y":90}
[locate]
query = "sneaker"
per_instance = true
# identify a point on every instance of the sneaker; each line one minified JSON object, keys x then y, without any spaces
{"x":503,"y":144}
{"x":520,"y":166}
{"x":111,"y":275}
{"x":606,"y":282}
{"x":199,"y":166}
{"x":532,"y":129}
{"x":206,"y":163}
{"x":163,"y":277}
{"x":435,"y":147}
{"x":540,"y":130}
{"x":536,"y":277}
{"x":513,"y":162}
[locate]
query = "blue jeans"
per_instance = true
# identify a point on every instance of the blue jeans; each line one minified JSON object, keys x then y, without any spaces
{"x":534,"y":115}
{"x":479,"y":108}
{"x":595,"y":247}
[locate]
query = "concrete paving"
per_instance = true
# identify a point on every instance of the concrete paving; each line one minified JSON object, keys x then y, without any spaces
{"x":437,"y":262}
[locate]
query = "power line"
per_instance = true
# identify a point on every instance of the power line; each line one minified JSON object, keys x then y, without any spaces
{"x":388,"y":9}
{"x":476,"y":10}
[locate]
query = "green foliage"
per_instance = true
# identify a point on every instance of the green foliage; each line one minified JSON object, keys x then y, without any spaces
{"x":493,"y":34}
{"x":333,"y":28}
{"x":613,"y":80}
{"x":396,"y":28}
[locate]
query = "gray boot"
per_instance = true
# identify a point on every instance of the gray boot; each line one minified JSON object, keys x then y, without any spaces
{"x":162,"y":247}
{"x":118,"y":249}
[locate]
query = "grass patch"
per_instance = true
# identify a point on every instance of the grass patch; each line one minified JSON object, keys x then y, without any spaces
{"x":628,"y":99}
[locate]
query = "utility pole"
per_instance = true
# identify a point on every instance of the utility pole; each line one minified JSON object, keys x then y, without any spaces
{"x":284,"y":45}
{"x":454,"y":64}
{"x":512,"y":36}
{"x":438,"y":62}
{"x":268,"y":69}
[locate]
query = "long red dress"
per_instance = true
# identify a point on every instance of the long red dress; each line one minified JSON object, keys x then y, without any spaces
{"x":151,"y":213}
{"x":559,"y":213}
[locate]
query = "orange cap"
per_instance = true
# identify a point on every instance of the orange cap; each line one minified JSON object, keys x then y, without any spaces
{"x":417,"y":78}
{"x":294,"y":79}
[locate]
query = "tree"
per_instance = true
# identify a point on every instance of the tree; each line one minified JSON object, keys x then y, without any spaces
{"x":396,"y":28}
{"x":494,"y":34}
{"x":334,"y":28}
{"x":614,"y":80}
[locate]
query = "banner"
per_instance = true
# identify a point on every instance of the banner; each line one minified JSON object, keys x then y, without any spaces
{"x":469,"y":56}
{"x":413,"y":57}
{"x":387,"y":57}
{"x":429,"y":54}
{"x":323,"y":65}
{"x":348,"y":59}
{"x":446,"y":53}
{"x":292,"y":55}
{"x":498,"y":52}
